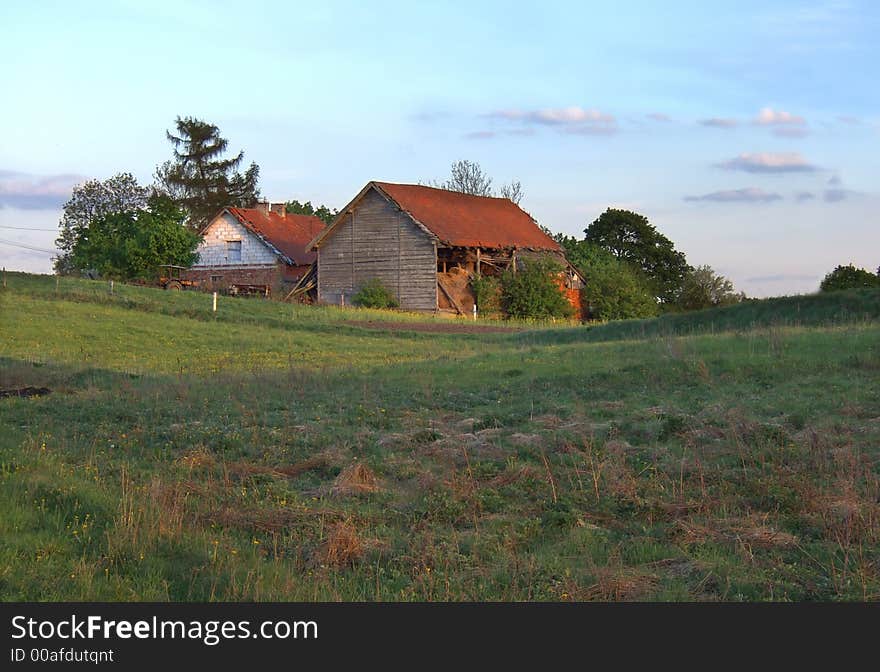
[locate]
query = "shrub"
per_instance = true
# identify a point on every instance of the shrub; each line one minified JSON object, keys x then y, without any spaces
{"x":849,"y":277}
{"x":615,"y":291}
{"x":373,"y":294}
{"x":487,"y":292}
{"x":704,"y":288}
{"x":534,"y":291}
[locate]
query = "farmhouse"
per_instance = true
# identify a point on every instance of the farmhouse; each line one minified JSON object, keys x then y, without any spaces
{"x":425,"y":244}
{"x":255,"y":248}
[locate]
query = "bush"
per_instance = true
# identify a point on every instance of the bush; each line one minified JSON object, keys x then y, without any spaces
{"x":704,"y":288}
{"x":848,"y":277}
{"x":373,"y":294}
{"x":615,"y":291}
{"x":534,"y":291}
{"x":487,"y":292}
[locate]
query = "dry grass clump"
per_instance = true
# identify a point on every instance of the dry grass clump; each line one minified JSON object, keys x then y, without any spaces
{"x":356,"y":479}
{"x":342,"y":548}
{"x":751,"y":531}
{"x":245,"y":469}
{"x":197,"y":458}
{"x":267,"y":519}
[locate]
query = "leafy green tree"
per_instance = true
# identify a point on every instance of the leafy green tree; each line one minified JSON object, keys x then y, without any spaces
{"x":534,"y":291}
{"x":614,"y":290}
{"x":487,"y":292}
{"x":704,"y":288}
{"x":198,"y":179}
{"x":630,"y":237}
{"x":134,"y":243}
{"x":322,"y":212}
{"x":849,"y":277}
{"x":92,"y":201}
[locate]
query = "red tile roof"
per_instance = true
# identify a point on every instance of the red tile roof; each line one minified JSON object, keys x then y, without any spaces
{"x":289,"y":234}
{"x":463,"y":220}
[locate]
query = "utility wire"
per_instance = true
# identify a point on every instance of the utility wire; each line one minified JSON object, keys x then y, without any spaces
{"x":25,"y":228}
{"x":26,"y":247}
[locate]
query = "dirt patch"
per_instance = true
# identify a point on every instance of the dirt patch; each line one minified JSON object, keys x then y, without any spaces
{"x":25,"y":392}
{"x":451,"y":327}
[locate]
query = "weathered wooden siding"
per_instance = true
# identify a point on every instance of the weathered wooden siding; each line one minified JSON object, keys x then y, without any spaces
{"x":378,"y":241}
{"x":213,"y":249}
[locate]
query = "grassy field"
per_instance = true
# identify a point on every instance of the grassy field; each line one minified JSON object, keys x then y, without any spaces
{"x":278,"y":452}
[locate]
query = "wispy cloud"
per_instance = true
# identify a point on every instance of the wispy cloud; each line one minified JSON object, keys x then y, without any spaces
{"x":783,"y":162}
{"x":35,"y":192}
{"x":836,"y":195}
{"x":479,"y":135}
{"x":849,"y":120}
{"x":790,"y":132}
{"x":804,"y":196}
{"x":747,"y":195}
{"x":781,"y":278}
{"x":659,"y":116}
{"x":576,"y":120}
{"x":719,"y":122}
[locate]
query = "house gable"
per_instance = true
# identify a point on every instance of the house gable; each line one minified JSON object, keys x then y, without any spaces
{"x":215,"y":249}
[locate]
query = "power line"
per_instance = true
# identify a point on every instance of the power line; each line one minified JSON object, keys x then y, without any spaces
{"x":26,"y":247}
{"x":25,"y":228}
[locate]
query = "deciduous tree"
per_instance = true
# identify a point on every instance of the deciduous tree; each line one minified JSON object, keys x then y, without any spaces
{"x":704,"y":288}
{"x":90,"y":202}
{"x":630,"y":237}
{"x":134,"y":243}
{"x":322,"y":212}
{"x":849,"y":277}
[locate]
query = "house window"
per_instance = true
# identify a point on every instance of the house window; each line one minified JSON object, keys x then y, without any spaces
{"x":215,"y":279}
{"x":233,"y":250}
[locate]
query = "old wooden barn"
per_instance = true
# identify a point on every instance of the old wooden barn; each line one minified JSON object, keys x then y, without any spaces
{"x":425,"y":244}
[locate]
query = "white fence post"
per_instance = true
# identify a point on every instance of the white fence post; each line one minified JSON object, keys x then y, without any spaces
{"x":215,"y":302}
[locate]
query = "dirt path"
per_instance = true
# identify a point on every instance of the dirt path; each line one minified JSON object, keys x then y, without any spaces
{"x":432,"y":327}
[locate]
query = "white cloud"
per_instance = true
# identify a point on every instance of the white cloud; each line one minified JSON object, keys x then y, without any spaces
{"x":35,"y":192}
{"x":747,"y":195}
{"x":782,"y":162}
{"x":569,"y":119}
{"x":770,"y":117}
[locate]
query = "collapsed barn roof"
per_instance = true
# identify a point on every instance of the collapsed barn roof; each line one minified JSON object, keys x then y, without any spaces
{"x":287,"y":234}
{"x":461,"y":220}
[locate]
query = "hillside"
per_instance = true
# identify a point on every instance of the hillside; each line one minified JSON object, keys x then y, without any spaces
{"x":277,"y":452}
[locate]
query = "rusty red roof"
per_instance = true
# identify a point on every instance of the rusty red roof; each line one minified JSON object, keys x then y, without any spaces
{"x":463,"y":220}
{"x":288,"y":234}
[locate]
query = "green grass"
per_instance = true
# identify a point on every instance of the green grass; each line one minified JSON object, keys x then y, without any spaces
{"x":279,"y":452}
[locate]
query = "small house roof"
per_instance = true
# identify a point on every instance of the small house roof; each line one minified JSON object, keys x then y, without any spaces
{"x":288,"y":234}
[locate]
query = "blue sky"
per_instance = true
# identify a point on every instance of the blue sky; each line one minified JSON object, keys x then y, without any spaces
{"x":746,"y":131}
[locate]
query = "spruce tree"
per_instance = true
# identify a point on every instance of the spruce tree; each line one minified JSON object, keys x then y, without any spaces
{"x":199,"y":179}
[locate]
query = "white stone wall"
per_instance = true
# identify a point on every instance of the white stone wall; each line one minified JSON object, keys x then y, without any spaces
{"x":213,"y":251}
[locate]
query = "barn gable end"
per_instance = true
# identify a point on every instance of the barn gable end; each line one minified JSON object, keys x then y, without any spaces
{"x":374,"y":239}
